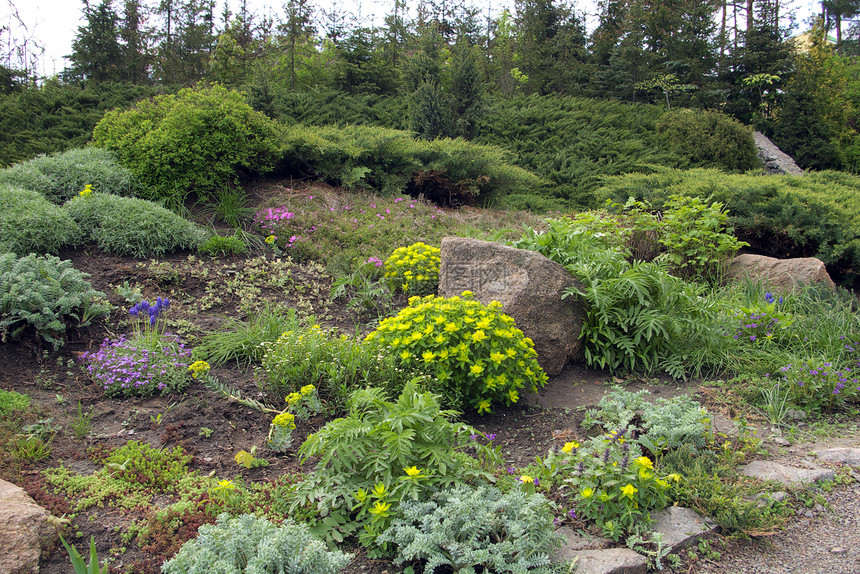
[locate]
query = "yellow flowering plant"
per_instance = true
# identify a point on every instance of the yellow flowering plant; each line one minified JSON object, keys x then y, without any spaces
{"x":414,"y":269}
{"x":473,"y":353}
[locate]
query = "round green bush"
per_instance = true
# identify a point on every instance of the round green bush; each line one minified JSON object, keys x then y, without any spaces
{"x":191,"y":142}
{"x":29,"y":223}
{"x":415,"y":269}
{"x":61,"y":176}
{"x":709,"y":139}
{"x":474,"y":353}
{"x":132,"y":226}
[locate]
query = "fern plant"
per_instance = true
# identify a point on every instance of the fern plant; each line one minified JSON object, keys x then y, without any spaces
{"x":477,"y":530}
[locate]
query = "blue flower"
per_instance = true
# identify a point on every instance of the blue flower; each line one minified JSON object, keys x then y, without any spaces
{"x":769,"y":297}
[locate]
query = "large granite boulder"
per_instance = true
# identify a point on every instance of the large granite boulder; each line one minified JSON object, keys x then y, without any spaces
{"x":784,"y":274}
{"x":528,"y":285}
{"x":775,"y":160}
{"x":24,"y":530}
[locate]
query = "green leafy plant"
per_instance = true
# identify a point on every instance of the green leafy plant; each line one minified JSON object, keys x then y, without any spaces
{"x":139,"y":463}
{"x":132,"y":226}
{"x":78,"y":562}
{"x":467,"y":529}
{"x":12,"y":402}
{"x":414,"y":269}
{"x":336,"y":365}
{"x":247,"y":544}
{"x":193,"y":141}
{"x":639,"y":316}
{"x":250,"y":460}
{"x":384,"y":452}
{"x":219,"y":245}
{"x":130,"y":293}
{"x":708,"y":139}
{"x":364,"y":290}
{"x":29,"y":223}
{"x":473,"y":353}
{"x":820,"y":385}
{"x":82,"y":423}
{"x":47,"y":294}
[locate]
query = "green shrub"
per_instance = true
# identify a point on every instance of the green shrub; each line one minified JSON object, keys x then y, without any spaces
{"x":191,"y":142}
{"x":639,"y":316}
{"x":337,"y":365}
{"x":219,"y":245}
{"x":445,"y":171}
{"x":469,"y":528}
{"x":29,"y":223}
{"x":473,"y":353}
{"x":45,"y":293}
{"x":415,"y":269}
{"x":815,"y":215}
{"x":10,"y":402}
{"x":709,"y":139}
{"x":61,"y":176}
{"x":132,"y":226}
{"x":247,"y":544}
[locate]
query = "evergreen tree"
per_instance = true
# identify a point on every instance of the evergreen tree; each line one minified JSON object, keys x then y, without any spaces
{"x":136,"y":59}
{"x":466,"y":91}
{"x":297,"y":31}
{"x":96,"y":51}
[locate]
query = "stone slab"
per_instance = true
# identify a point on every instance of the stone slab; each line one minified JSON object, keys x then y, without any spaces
{"x":609,"y":561}
{"x":849,"y":456}
{"x":681,"y":526}
{"x":576,"y":542}
{"x":786,"y":475}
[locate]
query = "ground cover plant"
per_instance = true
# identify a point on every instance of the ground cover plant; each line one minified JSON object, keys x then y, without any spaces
{"x":29,"y":223}
{"x":284,"y":411}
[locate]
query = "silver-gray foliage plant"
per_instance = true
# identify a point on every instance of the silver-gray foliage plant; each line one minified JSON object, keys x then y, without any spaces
{"x":477,"y":530}
{"x":248,"y":544}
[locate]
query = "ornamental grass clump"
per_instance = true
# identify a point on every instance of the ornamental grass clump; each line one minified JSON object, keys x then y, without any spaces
{"x":151,"y":362}
{"x":29,"y":223}
{"x":414,"y":269}
{"x":473,"y":353}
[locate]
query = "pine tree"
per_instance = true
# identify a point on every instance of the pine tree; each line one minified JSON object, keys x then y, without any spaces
{"x":466,"y":92}
{"x":96,"y":51}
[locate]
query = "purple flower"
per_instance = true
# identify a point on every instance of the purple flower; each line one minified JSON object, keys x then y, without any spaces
{"x":491,"y":437}
{"x":769,"y":297}
{"x":572,"y":514}
{"x":511,"y":470}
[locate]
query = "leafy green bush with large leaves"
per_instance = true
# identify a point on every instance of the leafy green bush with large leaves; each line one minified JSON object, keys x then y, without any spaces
{"x":639,"y":316}
{"x":29,"y":223}
{"x":815,"y":215}
{"x":190,"y":142}
{"x":61,"y":176}
{"x":133,"y":226}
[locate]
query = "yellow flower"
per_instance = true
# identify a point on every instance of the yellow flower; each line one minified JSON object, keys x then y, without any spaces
{"x":513,"y":395}
{"x":405,"y":355}
{"x":428,"y":356}
{"x":587,"y":492}
{"x":379,"y":489}
{"x":380,"y":508}
{"x":198,"y":368}
{"x":497,"y":357}
{"x":645,"y":462}
{"x":224,"y":486}
{"x":307,"y":390}
{"x":293,"y":398}
{"x":285,"y":420}
{"x":451,"y":327}
{"x":644,"y":473}
{"x":88,"y":189}
{"x":674,"y":477}
{"x":476,"y":369}
{"x":629,"y":491}
{"x":271,"y":239}
{"x":360,"y":495}
{"x":479,"y":336}
{"x":413,"y":472}
{"x":484,"y":406}
{"x":526,"y":479}
{"x":569,"y":446}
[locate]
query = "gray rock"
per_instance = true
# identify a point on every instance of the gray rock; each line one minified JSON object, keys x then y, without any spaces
{"x":681,"y":526}
{"x":849,"y":456}
{"x":610,"y":561}
{"x":786,"y":475}
{"x":838,"y":550}
{"x":795,"y":415}
{"x":779,"y":274}
{"x":24,"y":530}
{"x":775,"y":160}
{"x":766,"y":499}
{"x":528,"y":285}
{"x":781,"y":441}
{"x":576,"y":542}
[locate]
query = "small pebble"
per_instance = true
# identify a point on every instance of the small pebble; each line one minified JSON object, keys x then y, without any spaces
{"x":781,"y":441}
{"x":838,"y":550}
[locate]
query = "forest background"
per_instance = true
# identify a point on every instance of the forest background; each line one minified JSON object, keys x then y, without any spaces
{"x":451,"y":71}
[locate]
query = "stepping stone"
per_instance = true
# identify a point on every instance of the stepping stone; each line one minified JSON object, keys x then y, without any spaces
{"x":681,"y":526}
{"x":786,"y":475}
{"x":849,"y":456}
{"x":574,"y":542}
{"x":610,"y":561}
